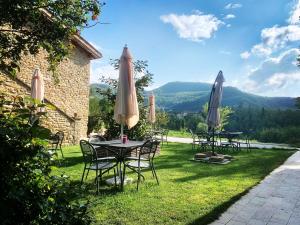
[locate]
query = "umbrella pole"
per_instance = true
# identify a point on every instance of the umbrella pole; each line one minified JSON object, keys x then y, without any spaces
{"x":122,"y":130}
{"x":213,"y":141}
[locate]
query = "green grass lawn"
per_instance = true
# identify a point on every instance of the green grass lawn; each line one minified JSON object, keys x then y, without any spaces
{"x":189,"y":192}
{"x":178,"y":133}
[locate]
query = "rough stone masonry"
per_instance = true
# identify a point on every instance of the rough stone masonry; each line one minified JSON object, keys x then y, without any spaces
{"x":70,"y":96}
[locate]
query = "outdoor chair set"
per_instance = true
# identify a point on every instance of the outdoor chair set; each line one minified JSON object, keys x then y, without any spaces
{"x":160,"y":135}
{"x":223,"y":141}
{"x":102,"y":156}
{"x":55,"y":141}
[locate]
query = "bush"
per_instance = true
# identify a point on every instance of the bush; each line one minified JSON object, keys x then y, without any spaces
{"x":288,"y":135}
{"x":29,"y":194}
{"x":201,"y":127}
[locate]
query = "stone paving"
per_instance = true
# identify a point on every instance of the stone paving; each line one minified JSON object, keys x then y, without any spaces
{"x":275,"y":201}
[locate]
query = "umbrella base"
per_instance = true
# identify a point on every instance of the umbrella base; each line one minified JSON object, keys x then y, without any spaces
{"x":213,"y":157}
{"x":111,"y":181}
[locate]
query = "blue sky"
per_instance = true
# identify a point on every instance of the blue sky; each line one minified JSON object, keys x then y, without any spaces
{"x":255,"y":43}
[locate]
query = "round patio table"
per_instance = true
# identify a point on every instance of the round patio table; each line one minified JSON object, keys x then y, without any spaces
{"x":120,"y":150}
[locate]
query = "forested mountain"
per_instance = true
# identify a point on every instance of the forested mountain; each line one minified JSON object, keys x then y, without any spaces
{"x":190,"y":96}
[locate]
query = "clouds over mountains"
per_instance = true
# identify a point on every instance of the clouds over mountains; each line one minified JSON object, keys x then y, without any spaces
{"x":278,"y":70}
{"x":277,"y":37}
{"x":275,"y":72}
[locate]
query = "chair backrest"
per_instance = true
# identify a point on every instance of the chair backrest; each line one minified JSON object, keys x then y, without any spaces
{"x":192,"y":133}
{"x":60,"y":135}
{"x":87,"y":150}
{"x":149,"y":148}
{"x":165,"y":132}
{"x":149,"y":135}
{"x":54,"y":139}
{"x":204,"y":135}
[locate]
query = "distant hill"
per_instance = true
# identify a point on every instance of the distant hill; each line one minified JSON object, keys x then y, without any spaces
{"x":190,"y":96}
{"x":94,"y":87}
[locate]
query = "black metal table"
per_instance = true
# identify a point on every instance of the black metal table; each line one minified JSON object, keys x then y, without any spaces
{"x":120,"y":150}
{"x":230,"y":136}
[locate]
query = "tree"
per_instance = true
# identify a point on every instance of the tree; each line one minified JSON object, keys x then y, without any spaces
{"x":162,"y":119}
{"x":225,"y":112}
{"x":28,"y":26}
{"x":143,"y":78}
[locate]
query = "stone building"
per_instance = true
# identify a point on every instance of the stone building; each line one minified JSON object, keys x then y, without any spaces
{"x":70,"y":96}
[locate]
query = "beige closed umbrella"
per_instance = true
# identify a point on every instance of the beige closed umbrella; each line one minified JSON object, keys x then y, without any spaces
{"x":37,"y":86}
{"x":151,"y":115}
{"x":126,"y":111}
{"x":37,"y":92}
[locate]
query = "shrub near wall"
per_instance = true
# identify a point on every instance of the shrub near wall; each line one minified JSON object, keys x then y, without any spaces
{"x":29,"y":193}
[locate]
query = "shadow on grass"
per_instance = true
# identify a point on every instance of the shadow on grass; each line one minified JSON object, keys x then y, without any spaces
{"x":71,"y":161}
{"x":217,"y":211}
{"x":253,"y":166}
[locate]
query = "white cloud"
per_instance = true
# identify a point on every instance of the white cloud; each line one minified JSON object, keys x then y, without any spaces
{"x":280,"y":79}
{"x":194,"y":27}
{"x":229,"y":16}
{"x":278,"y":37}
{"x":98,"y":71}
{"x":233,"y":6}
{"x":275,"y":38}
{"x":275,"y":73}
{"x":245,"y":55}
{"x":228,"y":25}
{"x":295,"y":13}
{"x":261,"y":50}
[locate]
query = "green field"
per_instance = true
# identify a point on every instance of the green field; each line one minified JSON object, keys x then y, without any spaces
{"x":189,"y":192}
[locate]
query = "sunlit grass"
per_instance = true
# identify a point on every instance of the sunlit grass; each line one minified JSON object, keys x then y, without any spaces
{"x":178,"y":133}
{"x":189,"y":192}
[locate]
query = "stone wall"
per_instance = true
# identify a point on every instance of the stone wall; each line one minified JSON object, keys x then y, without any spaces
{"x":70,"y":96}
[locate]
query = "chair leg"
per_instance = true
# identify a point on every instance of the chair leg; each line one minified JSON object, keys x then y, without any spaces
{"x":115,"y":177}
{"x":87,"y":173}
{"x":61,"y":151}
{"x":153,"y":169}
{"x":83,"y":174}
{"x":139,"y":178}
{"x":123,"y":174}
{"x":97,"y":182}
{"x":153,"y":175}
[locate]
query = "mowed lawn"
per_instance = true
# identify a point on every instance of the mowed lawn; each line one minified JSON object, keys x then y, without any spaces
{"x":189,"y":192}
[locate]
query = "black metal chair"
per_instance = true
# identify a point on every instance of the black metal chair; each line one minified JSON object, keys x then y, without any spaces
{"x":56,"y":141}
{"x":246,"y":139}
{"x":164,"y":136}
{"x":144,"y":160}
{"x":204,"y":140}
{"x":93,"y":162}
{"x":230,"y":143}
{"x":195,"y":138}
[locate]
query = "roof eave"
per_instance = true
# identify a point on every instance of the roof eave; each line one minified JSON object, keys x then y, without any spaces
{"x":81,"y":42}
